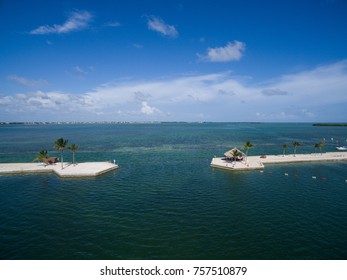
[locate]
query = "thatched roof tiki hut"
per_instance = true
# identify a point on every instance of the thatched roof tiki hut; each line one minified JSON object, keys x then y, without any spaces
{"x":235,"y":154}
{"x":50,"y":160}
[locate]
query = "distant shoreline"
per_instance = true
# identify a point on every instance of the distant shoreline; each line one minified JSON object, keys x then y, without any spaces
{"x":330,"y":124}
{"x":116,"y":122}
{"x":151,"y":122}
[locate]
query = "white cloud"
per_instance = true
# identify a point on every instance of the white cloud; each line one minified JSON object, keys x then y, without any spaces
{"x":77,"y":21}
{"x":300,"y":96}
{"x":148,"y":110}
{"x":273,"y":92}
{"x":232,"y":51}
{"x":79,"y":70}
{"x":50,"y":100}
{"x":43,"y":103}
{"x":27,"y":82}
{"x":7,"y":100}
{"x":157,"y":24}
{"x":140,"y":96}
{"x":79,"y":73}
{"x":323,"y":85}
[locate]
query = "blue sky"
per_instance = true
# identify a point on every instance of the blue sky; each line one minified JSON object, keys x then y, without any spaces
{"x":271,"y":61}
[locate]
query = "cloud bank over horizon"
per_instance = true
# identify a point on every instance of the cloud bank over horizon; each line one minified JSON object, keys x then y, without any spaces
{"x":300,"y":96}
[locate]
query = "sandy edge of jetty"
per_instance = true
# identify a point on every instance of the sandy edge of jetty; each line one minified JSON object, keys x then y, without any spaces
{"x":84,"y":169}
{"x":258,"y":162}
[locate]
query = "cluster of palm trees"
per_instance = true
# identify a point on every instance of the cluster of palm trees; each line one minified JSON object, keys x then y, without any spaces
{"x":296,"y":145}
{"x":60,"y":145}
{"x":248,"y":145}
{"x":236,"y":153}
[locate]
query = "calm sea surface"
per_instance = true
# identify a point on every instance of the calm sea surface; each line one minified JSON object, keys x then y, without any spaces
{"x":166,"y":202}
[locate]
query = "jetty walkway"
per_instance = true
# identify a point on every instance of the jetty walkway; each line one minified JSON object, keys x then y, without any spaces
{"x":84,"y":169}
{"x":258,"y":162}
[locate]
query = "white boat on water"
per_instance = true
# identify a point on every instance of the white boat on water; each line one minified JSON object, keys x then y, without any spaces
{"x":342,"y":148}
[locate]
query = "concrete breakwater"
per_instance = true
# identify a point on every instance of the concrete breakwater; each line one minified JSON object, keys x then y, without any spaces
{"x":84,"y":169}
{"x":258,"y":162}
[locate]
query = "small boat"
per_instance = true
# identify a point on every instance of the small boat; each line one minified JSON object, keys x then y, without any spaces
{"x":342,"y":148}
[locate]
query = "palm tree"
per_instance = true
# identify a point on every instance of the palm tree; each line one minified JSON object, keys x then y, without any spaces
{"x":235,"y":153}
{"x":41,"y":156}
{"x":296,"y":145}
{"x":60,"y":145}
{"x":284,"y":147}
{"x":73,"y":149}
{"x":248,"y":145}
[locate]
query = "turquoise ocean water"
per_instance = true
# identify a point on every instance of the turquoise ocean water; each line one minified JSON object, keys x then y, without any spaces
{"x":166,"y":202}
